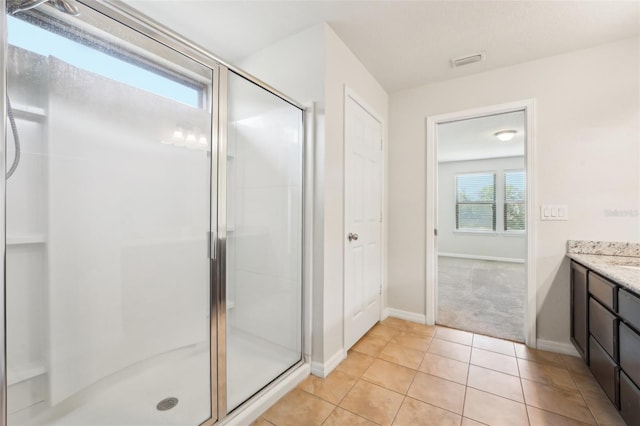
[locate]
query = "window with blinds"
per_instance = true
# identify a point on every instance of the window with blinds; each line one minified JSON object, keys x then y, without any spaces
{"x":476,"y":202}
{"x":514,"y":200}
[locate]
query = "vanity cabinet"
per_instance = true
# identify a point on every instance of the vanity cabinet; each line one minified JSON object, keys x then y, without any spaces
{"x":579,"y":310}
{"x":605,"y":329}
{"x":629,"y":400}
{"x":603,"y":326}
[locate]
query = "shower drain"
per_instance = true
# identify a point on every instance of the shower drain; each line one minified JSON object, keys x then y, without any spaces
{"x":167,"y":404}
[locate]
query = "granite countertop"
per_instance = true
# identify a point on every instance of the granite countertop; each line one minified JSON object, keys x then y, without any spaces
{"x":620,"y":262}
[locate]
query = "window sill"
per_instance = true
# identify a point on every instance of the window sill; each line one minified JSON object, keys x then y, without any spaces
{"x":517,"y":234}
{"x":483,"y":233}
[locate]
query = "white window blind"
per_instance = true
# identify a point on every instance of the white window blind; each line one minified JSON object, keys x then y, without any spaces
{"x":514,"y":201}
{"x":476,"y":202}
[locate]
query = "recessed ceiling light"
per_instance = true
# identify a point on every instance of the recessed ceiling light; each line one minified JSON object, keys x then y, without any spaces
{"x":505,"y":135}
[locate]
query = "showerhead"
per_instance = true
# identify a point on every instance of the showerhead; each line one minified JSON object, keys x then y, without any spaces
{"x":66,"y":7}
{"x":62,"y":5}
{"x":21,"y":6}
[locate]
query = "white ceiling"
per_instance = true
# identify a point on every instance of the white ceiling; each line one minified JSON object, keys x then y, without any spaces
{"x":474,"y":138}
{"x":405,"y":43}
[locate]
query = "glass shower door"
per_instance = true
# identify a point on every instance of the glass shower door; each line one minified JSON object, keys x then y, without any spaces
{"x":262,"y":237}
{"x":108,"y":223}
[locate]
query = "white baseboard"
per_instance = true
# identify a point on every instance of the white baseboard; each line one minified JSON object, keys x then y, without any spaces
{"x":475,"y":257}
{"x":558,"y":347}
{"x":405,"y":315}
{"x":324,"y":369}
{"x":261,"y":403}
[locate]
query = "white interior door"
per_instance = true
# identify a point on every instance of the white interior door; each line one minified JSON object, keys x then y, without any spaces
{"x":363,"y":217}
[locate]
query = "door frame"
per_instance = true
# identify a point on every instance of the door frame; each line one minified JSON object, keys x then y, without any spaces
{"x":431,"y":272}
{"x":350,"y":93}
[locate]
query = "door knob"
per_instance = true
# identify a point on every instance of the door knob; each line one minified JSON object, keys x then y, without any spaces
{"x":352,"y":237}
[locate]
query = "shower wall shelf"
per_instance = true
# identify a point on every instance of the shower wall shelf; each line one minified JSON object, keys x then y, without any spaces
{"x":24,"y":374}
{"x":141,"y":242}
{"x":29,"y":112}
{"x":26,"y":239}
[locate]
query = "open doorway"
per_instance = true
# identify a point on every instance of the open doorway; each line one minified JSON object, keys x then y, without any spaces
{"x":481,"y":222}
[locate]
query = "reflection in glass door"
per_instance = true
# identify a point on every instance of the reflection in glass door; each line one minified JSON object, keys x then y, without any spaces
{"x":263,"y":279}
{"x":108,"y":217}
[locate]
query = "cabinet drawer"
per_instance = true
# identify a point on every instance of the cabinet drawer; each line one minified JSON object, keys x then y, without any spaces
{"x":629,"y":400}
{"x":603,"y":290}
{"x":629,"y":352}
{"x":604,"y":369}
{"x":603,"y":325}
{"x":629,"y":308}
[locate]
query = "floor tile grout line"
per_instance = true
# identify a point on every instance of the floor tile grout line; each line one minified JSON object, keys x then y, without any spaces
{"x":404,"y":397}
{"x":383,"y":386}
{"x":323,"y":379}
{"x":560,"y":415}
{"x":500,"y":396}
{"x":351,"y":387}
{"x":374,"y":384}
{"x":314,"y":395}
{"x":358,"y":415}
{"x":524,"y":398}
{"x":584,"y":399}
{"x":332,"y":411}
{"x":434,"y":405}
{"x":466,"y":388}
{"x":424,"y":355}
{"x":449,"y":341}
{"x":596,"y":422}
{"x":417,"y":336}
{"x":495,"y":351}
{"x":397,"y":363}
{"x":493,"y":369}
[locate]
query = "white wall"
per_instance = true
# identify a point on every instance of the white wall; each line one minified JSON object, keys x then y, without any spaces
{"x":587,"y":156}
{"x":493,"y":244}
{"x":295,"y":65}
{"x":315,"y":65}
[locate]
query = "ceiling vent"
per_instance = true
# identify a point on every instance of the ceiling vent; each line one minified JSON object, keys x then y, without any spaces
{"x":468,"y":59}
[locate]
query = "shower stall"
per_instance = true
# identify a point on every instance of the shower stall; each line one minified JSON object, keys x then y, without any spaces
{"x":152,"y":209}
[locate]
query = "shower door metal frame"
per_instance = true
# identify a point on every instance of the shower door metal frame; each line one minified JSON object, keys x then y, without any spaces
{"x":124,"y":14}
{"x":223,"y":409}
{"x":113,"y":16}
{"x":3,"y":292}
{"x":222,"y":242}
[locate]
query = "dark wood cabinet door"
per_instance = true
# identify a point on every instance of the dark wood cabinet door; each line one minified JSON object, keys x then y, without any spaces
{"x":580,"y":310}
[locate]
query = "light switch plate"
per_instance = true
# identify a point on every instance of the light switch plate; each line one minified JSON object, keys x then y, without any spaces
{"x":554,"y":212}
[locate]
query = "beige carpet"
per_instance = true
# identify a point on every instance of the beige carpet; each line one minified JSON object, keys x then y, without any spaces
{"x":482,"y":296}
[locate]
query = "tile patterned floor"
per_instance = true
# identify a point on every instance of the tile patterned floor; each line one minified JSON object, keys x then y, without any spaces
{"x":403,"y":373}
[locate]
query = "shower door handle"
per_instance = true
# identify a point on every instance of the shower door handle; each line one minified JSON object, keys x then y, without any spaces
{"x":212,"y":245}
